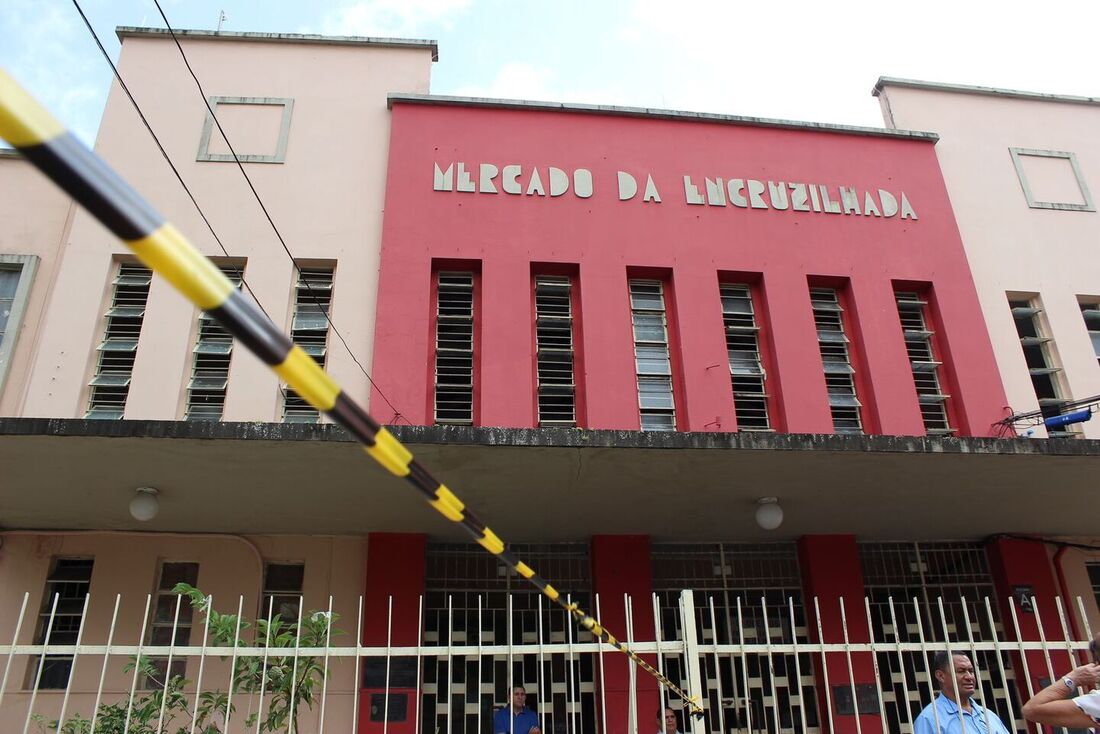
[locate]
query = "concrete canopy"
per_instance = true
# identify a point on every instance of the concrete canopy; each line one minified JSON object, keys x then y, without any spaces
{"x":539,"y":485}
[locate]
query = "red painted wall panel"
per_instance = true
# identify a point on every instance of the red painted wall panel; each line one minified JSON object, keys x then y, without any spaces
{"x":605,"y":237}
{"x":616,"y":574}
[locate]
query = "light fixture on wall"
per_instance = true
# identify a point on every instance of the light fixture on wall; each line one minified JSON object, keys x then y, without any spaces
{"x":145,"y":505}
{"x":769,"y":514}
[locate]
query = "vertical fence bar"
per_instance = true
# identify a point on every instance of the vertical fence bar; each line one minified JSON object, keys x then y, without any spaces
{"x":1042,"y":638}
{"x":951,"y":661}
{"x":718,"y":667}
{"x":632,"y":675}
{"x":974,"y":656}
{"x":874,"y":661}
{"x":927,"y":670}
{"x":389,"y":643}
{"x":570,"y":678}
{"x":72,"y":668}
{"x":771,"y":663}
{"x":797,"y":667}
{"x":902,"y":667}
{"x":1084,"y":620}
{"x":233,"y":660}
{"x":851,"y":670}
{"x":1023,"y":654}
{"x":1000,"y":661}
{"x":419,"y":682}
{"x":603,"y":682}
{"x":358,"y":659}
{"x":209,"y":602}
{"x":324,"y":671}
{"x":538,"y":669}
{"x":450,"y":654}
{"x":1067,"y":635}
{"x":41,"y":663}
{"x":824,"y":664}
{"x":294,"y":667}
{"x":263,"y":674}
{"x":745,"y":666}
{"x":103,"y":668}
{"x":691,"y":656}
{"x":137,"y":665}
{"x":661,"y":698}
{"x":168,"y":666}
{"x":14,"y":640}
{"x":479,"y":669}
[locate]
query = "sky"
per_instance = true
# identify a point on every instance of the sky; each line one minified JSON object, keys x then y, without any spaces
{"x":812,"y":60}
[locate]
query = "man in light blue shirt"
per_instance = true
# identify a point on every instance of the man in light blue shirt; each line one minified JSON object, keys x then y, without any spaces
{"x":517,"y":718}
{"x":954,"y":711}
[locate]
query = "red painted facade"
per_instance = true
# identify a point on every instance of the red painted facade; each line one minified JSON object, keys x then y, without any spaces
{"x":605,"y":240}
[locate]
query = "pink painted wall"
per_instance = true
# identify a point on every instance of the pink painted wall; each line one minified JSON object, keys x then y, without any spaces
{"x":326,"y":200}
{"x":607,"y":238}
{"x":33,"y":215}
{"x":1011,"y":247}
{"x":127,"y":565}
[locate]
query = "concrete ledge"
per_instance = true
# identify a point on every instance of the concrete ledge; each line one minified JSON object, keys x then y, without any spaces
{"x":889,"y":81}
{"x":551,"y":437}
{"x":124,"y":31}
{"x":613,"y":110}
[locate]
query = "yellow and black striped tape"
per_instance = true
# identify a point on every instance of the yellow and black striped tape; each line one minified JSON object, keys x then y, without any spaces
{"x":95,"y":186}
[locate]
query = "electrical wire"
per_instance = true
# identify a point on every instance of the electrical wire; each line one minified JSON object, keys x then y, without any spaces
{"x":160,"y":147}
{"x":396,"y":413}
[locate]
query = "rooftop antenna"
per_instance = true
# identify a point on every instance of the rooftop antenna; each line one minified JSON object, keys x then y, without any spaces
{"x":222,"y":17}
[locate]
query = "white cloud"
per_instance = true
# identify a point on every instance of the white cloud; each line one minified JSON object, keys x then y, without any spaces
{"x":45,"y":50}
{"x":391,"y":17}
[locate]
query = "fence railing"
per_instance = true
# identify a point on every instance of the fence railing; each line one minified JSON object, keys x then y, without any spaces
{"x":764,"y":667}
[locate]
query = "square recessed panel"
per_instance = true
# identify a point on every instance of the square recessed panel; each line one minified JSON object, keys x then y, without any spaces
{"x":258,"y":128}
{"x":1051,"y":179}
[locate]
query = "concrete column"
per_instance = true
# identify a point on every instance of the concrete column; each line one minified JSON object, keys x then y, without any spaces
{"x":1021,"y":567}
{"x":395,"y":569}
{"x":831,"y":572}
{"x":621,"y":566}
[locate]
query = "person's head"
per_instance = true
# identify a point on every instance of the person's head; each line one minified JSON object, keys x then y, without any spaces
{"x":666,"y":720}
{"x":519,"y":698}
{"x":955,"y":672}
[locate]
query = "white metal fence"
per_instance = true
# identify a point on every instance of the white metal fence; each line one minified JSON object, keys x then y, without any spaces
{"x":754,"y":667}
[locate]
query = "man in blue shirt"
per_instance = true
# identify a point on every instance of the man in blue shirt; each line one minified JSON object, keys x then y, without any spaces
{"x":954,"y":711}
{"x":521,"y":720}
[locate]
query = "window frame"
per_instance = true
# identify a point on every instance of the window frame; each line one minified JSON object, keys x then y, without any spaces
{"x":304,"y":336}
{"x":27,"y":267}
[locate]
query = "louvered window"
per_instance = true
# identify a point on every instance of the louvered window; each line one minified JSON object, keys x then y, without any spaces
{"x":309,"y":329}
{"x":1040,"y":363}
{"x":837,"y":360}
{"x":1091,"y":313}
{"x":454,"y":348}
{"x":69,"y":582}
{"x":9,"y":280}
{"x":653,"y":365}
{"x":913,"y":312}
{"x":165,"y":627}
{"x":210,"y":363}
{"x":117,"y":351}
{"x":554,"y":341}
{"x":750,"y":399}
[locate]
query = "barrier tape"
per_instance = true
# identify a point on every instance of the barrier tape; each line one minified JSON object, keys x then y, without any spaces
{"x":159,"y":245}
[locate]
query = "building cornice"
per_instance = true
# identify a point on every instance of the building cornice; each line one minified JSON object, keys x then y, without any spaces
{"x":548,"y":437}
{"x":889,"y":81}
{"x":124,"y":32}
{"x":617,"y":111}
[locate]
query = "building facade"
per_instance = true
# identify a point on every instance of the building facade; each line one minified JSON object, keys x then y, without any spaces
{"x":657,"y":351}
